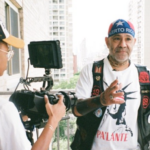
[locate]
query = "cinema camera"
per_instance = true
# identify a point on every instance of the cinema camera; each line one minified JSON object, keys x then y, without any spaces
{"x":42,"y":54}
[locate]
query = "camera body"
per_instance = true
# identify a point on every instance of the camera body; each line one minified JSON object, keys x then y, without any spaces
{"x":32,"y":104}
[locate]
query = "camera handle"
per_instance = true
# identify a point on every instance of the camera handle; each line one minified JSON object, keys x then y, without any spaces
{"x":30,"y":136}
{"x":49,"y":82}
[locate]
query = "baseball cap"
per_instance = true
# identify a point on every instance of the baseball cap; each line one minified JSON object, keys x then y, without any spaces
{"x":9,"y":39}
{"x":121,"y":26}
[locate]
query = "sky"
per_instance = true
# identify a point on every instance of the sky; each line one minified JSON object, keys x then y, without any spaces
{"x":91,"y":19}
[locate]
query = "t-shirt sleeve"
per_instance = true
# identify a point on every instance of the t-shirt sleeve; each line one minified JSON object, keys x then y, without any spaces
{"x":12,"y":132}
{"x":85,"y":82}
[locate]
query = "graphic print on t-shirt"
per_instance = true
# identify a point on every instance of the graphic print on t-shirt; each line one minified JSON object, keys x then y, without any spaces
{"x":118,"y":129}
{"x":120,"y":112}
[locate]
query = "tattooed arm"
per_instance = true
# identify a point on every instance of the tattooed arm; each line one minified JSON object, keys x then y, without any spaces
{"x":84,"y":106}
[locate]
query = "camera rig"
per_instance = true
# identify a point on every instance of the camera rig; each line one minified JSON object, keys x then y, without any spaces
{"x":43,"y":54}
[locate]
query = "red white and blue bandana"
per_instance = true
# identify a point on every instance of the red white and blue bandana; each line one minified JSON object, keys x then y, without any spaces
{"x":121,"y":26}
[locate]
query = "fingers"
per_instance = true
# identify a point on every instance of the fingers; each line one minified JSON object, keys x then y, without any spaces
{"x":115,"y":86}
{"x":115,"y":82}
{"x":118,"y":100}
{"x":114,"y":94}
{"x":119,"y":94}
{"x":46,"y":99}
{"x":61,"y":98}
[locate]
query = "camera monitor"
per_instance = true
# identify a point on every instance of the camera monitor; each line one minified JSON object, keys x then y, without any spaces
{"x":45,"y":54}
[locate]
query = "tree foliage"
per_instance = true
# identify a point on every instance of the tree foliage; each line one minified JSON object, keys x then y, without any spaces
{"x":67,"y":84}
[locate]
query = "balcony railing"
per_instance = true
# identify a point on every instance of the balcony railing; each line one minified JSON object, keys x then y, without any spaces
{"x":64,"y":132}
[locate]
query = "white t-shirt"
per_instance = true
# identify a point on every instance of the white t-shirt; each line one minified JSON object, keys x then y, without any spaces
{"x":12,"y":132}
{"x":118,"y":128}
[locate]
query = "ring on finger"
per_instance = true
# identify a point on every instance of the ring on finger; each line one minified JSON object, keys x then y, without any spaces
{"x":111,"y":97}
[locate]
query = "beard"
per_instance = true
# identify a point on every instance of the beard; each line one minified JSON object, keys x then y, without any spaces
{"x":120,"y":56}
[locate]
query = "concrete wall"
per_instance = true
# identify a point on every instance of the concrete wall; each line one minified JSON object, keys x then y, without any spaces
{"x":35,"y":28}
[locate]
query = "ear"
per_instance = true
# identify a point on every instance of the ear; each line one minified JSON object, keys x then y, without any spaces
{"x":107,"y":41}
{"x":134,"y":40}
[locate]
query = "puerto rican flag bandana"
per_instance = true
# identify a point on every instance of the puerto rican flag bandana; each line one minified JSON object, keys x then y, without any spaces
{"x":121,"y":26}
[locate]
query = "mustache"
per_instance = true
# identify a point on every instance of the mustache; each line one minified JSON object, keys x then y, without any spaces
{"x":122,"y":49}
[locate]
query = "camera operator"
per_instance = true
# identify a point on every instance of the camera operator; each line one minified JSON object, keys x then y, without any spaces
{"x":12,"y":133}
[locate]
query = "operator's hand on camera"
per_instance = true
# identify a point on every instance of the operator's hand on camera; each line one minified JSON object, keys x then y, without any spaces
{"x":113,"y":94}
{"x":57,"y":111}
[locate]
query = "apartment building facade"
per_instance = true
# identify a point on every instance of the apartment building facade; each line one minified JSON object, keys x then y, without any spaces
{"x":60,"y":28}
{"x":139,"y":15}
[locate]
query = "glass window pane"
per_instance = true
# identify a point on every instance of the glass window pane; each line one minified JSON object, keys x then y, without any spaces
{"x":14,"y":32}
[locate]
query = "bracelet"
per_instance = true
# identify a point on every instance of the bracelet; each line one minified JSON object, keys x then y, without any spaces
{"x":51,"y":127}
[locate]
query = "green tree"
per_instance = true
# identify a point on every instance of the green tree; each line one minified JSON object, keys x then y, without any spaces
{"x":67,"y":84}
{"x":63,"y":133}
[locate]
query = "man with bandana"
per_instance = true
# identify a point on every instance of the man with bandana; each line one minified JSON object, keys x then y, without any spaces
{"x":12,"y":132}
{"x":118,"y":102}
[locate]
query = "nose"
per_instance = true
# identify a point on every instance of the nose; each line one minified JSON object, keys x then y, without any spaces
{"x":122,"y":43}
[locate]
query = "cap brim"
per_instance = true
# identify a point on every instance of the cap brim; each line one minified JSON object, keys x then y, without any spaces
{"x":13,"y":41}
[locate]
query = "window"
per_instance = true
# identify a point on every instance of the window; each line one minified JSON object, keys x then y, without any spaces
{"x":56,"y":75}
{"x":62,"y":28}
{"x":55,"y":12}
{"x":55,"y":7}
{"x":61,"y":1}
{"x":63,"y":44}
{"x":62,"y":33}
{"x":55,"y":23}
{"x":61,"y":17}
{"x":62,"y":23}
{"x":62,"y":75}
{"x":61,"y":12}
{"x":55,"y":28}
{"x":56,"y":71}
{"x":54,"y":1}
{"x":55,"y":33}
{"x":61,"y":6}
{"x":63,"y":54}
{"x":62,"y":70}
{"x":55,"y":38}
{"x":62,"y":39}
{"x":12,"y":22}
{"x":55,"y":17}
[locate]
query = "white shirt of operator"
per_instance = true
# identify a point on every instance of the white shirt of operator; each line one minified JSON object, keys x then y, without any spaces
{"x":12,"y":132}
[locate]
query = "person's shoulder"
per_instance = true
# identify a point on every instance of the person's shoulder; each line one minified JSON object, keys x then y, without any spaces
{"x":5,"y":104}
{"x":141,"y":66}
{"x":90,"y":65}
{"x":87,"y":67}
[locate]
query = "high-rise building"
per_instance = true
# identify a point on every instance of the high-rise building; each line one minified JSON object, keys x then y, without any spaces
{"x":139,"y":15}
{"x":60,"y":28}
